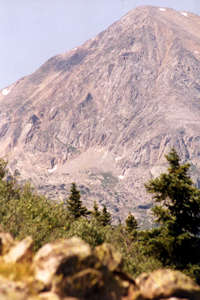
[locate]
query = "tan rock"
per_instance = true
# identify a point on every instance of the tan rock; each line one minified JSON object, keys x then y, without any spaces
{"x":6,"y":242}
{"x":22,"y":251}
{"x":108,"y":256}
{"x":86,"y":282}
{"x":1,"y":228}
{"x":70,"y":298}
{"x":166,"y":284}
{"x":10,"y":290}
{"x":97,"y":276}
{"x":51,"y":257}
{"x":48,"y":296}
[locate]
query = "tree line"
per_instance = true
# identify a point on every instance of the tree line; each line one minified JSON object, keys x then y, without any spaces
{"x":173,"y":242}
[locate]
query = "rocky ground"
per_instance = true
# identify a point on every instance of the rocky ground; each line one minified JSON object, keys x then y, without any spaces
{"x":71,"y":270}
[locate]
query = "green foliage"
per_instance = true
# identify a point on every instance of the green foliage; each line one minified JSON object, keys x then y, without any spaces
{"x":31,"y":214}
{"x":3,"y":166}
{"x":102,"y":217}
{"x":88,"y":230}
{"x":176,"y":242}
{"x":74,"y":204}
{"x":131,"y":223}
{"x":136,"y":256}
{"x":23,"y":212}
{"x":105,"y":218}
{"x":96,"y":213}
{"x":180,"y":199}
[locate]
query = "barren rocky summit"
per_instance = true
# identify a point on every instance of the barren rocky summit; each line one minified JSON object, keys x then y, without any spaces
{"x":104,"y":114}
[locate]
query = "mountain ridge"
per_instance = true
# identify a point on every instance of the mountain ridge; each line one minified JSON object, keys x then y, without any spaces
{"x":105,"y":113}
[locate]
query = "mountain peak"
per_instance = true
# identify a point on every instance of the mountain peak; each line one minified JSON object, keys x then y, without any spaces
{"x":105,"y":113}
{"x":164,"y":14}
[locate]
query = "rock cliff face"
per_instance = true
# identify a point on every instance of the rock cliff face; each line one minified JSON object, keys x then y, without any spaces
{"x":104,"y":114}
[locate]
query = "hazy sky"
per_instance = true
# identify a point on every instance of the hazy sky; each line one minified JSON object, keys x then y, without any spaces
{"x":31,"y":31}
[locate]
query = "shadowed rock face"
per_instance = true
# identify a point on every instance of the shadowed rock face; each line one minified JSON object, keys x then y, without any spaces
{"x":105,"y":114}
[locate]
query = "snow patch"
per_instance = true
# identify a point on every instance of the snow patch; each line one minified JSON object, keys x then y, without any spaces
{"x":196,"y":52}
{"x":5,"y":92}
{"x":118,"y":158}
{"x":162,"y":9}
{"x":104,"y":155}
{"x":53,"y":169}
{"x":184,"y":14}
{"x":121,"y":177}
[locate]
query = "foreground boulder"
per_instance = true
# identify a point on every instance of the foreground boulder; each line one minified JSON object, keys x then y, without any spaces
{"x":11,"y":290}
{"x":62,"y":255}
{"x":108,"y":257}
{"x":71,"y":270}
{"x":166,"y":284}
{"x":6,"y":242}
{"x":22,"y":251}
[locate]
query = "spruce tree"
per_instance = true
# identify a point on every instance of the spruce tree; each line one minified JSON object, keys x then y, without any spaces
{"x":3,"y":168}
{"x":74,"y":203}
{"x":96,"y":213}
{"x":179,"y":198}
{"x":176,"y":242}
{"x":131,"y":223}
{"x":105,"y":218}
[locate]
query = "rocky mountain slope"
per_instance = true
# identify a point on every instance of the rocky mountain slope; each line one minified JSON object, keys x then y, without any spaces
{"x":105,"y":113}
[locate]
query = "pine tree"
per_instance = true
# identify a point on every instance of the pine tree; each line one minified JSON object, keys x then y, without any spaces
{"x":179,"y":198}
{"x":3,"y":168}
{"x":96,"y":213}
{"x":105,"y":218}
{"x":74,"y":203}
{"x":176,"y":242}
{"x":131,"y":223}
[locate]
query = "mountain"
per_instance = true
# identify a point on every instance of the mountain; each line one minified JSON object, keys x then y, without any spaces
{"x":105,"y":114}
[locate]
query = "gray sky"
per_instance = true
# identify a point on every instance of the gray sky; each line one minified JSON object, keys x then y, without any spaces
{"x":32,"y":31}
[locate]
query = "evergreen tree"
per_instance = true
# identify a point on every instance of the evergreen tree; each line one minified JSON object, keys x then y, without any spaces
{"x":179,"y":198}
{"x":131,"y":223}
{"x":105,"y":218}
{"x":74,"y":203}
{"x":96,"y":213}
{"x":176,"y":242}
{"x":3,"y":168}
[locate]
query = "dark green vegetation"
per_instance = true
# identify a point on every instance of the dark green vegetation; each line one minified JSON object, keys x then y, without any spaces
{"x":74,"y":204}
{"x":174,"y":242}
